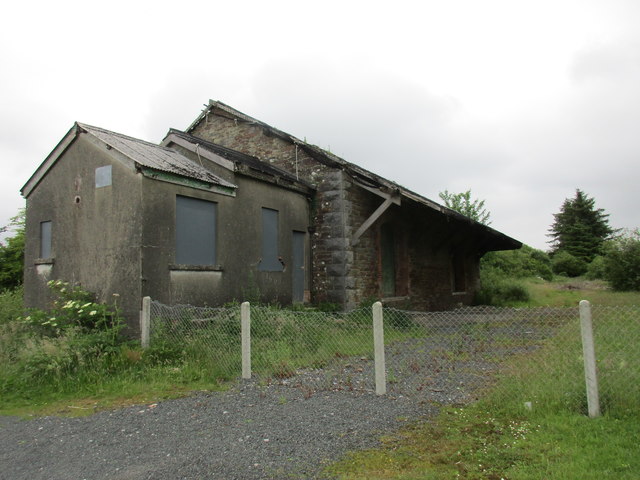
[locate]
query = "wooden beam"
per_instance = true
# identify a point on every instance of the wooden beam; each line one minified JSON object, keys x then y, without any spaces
{"x":374,"y":216}
{"x":380,"y":193}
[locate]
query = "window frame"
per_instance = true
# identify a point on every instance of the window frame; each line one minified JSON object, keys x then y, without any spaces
{"x":46,"y":240}
{"x":104,"y":176}
{"x":196,"y":233}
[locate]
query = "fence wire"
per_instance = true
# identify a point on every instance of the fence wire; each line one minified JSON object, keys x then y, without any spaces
{"x":523,"y":356}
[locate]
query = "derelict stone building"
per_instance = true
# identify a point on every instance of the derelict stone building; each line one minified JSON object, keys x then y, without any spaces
{"x":370,"y":238}
{"x":233,"y":208}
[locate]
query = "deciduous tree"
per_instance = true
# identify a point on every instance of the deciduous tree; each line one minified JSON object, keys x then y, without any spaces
{"x":462,"y":203}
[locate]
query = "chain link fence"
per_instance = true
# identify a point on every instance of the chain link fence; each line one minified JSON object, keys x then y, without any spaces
{"x":529,"y":356}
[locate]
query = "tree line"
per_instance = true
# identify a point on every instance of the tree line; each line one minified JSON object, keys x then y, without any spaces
{"x":582,"y":243}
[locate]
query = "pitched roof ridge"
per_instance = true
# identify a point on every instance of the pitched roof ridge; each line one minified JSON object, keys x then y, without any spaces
{"x":88,"y":127}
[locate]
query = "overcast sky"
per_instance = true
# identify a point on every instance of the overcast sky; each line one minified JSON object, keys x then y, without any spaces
{"x":520,"y":101}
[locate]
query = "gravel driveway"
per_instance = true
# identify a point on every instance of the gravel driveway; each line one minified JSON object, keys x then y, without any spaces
{"x":250,"y":432}
{"x":291,"y":429}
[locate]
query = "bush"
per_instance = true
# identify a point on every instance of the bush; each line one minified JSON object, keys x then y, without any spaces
{"x":622,"y":262}
{"x":53,"y":349}
{"x":11,"y":305}
{"x":524,"y":262}
{"x":596,"y":269}
{"x":499,"y":291}
{"x":564,"y":263}
{"x":76,"y":308}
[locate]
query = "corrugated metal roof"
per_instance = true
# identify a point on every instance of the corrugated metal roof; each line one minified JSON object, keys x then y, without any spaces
{"x":154,"y":156}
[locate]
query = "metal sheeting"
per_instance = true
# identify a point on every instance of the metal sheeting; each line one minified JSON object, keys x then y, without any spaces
{"x":155,"y":156}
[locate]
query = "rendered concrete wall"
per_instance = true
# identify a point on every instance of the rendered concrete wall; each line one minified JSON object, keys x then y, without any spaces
{"x":96,"y":232}
{"x":238,"y":245}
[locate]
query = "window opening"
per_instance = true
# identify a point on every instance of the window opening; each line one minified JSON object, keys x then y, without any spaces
{"x":195,"y":231}
{"x":103,"y":176}
{"x":45,"y":239}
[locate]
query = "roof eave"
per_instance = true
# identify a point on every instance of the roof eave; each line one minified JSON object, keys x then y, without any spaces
{"x":334,"y":161}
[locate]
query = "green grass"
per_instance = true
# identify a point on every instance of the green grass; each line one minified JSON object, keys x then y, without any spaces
{"x":472,"y":443}
{"x":63,"y":373}
{"x":499,"y":438}
{"x":567,"y":292}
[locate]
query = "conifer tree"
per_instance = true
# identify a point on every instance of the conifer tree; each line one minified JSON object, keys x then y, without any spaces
{"x":579,"y":228}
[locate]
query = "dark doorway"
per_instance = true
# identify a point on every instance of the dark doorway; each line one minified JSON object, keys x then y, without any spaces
{"x":388,"y":260}
{"x":297,"y":267}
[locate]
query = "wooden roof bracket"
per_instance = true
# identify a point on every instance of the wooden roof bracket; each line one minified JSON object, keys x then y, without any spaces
{"x":389,"y":200}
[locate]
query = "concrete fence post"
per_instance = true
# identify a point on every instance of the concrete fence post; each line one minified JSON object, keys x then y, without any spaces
{"x":589,"y":354}
{"x":145,"y":322}
{"x":245,"y":325}
{"x":378,"y":349}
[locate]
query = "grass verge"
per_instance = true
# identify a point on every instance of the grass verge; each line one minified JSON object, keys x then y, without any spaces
{"x":498,"y":437}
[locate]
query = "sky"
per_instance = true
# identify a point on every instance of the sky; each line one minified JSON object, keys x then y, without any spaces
{"x":522,"y":102}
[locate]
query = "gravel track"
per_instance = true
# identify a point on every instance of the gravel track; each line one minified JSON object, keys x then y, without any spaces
{"x":289,"y":429}
{"x":252,"y":431}
{"x":257,"y":430}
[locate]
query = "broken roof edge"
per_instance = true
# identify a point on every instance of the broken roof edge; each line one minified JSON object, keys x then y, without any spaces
{"x":235,"y":156}
{"x":352,"y":169}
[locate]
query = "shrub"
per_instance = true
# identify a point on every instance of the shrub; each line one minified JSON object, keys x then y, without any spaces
{"x":74,"y":307}
{"x":498,"y":290}
{"x":564,"y":263}
{"x":524,"y":262}
{"x":11,"y":305}
{"x":596,"y":269}
{"x":622,"y":261}
{"x":49,"y":349}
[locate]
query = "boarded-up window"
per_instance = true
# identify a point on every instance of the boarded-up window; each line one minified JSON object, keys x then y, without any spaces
{"x":270,"y":261}
{"x":459,"y":273}
{"x":103,"y":176}
{"x":195,"y":231}
{"x":45,"y":239}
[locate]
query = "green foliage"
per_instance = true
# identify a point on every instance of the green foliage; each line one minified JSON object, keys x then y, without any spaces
{"x":73,"y":308}
{"x":521,"y":263}
{"x":11,"y":305}
{"x":500,"y":274}
{"x":564,"y":263}
{"x":499,"y":290}
{"x":596,"y":269}
{"x":58,"y":349}
{"x":12,"y":254}
{"x":462,"y":203}
{"x":622,"y":262}
{"x":579,"y":228}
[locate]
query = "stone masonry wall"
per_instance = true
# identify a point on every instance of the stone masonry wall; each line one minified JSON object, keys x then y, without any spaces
{"x":329,"y":226}
{"x":343,"y":273}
